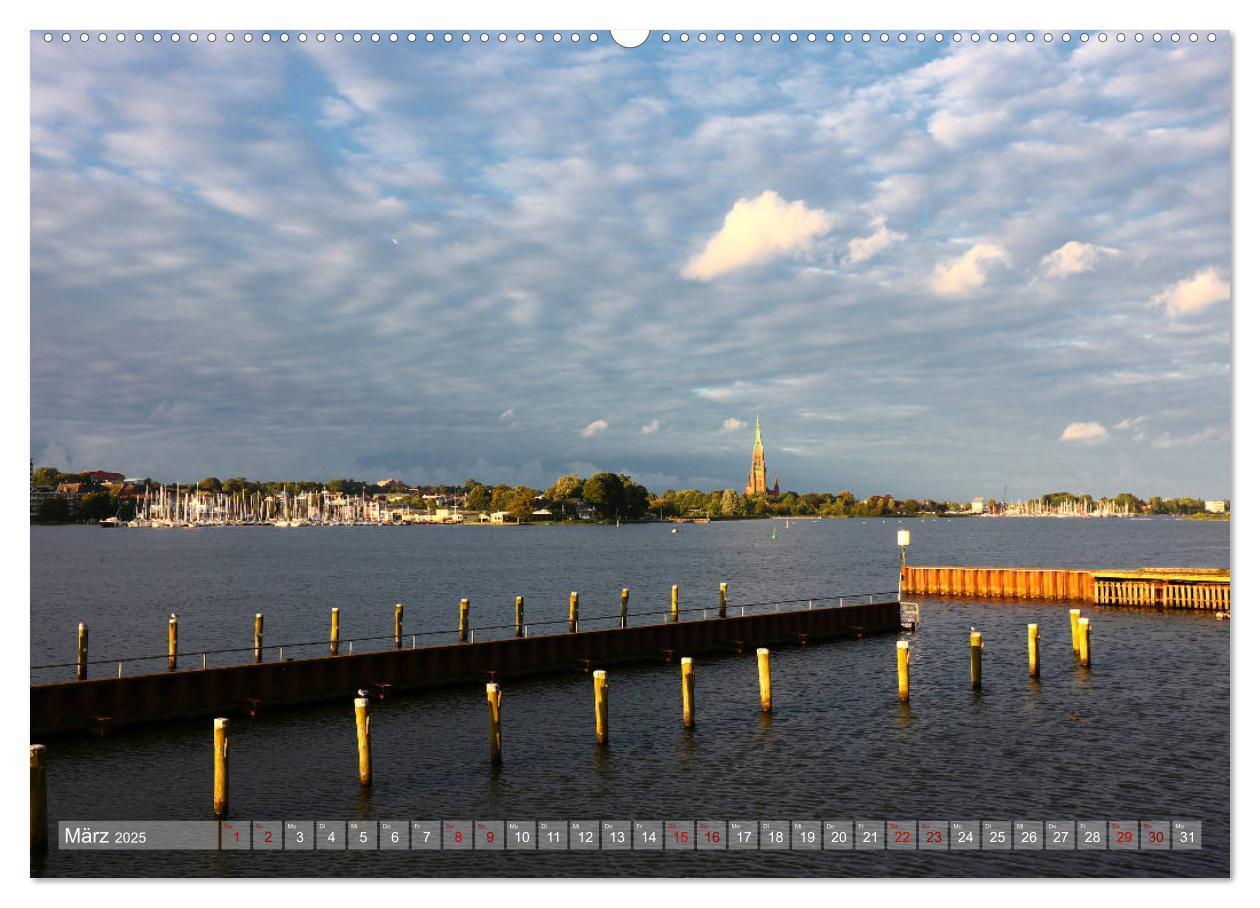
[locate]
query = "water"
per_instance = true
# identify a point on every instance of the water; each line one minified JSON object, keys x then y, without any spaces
{"x":1151,"y":740}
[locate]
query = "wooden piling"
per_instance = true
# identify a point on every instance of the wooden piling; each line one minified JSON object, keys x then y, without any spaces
{"x":334,"y":632}
{"x":258,"y":637}
{"x":520,"y":616}
{"x":172,"y":643}
{"x":977,"y":646}
{"x":494,"y":701}
{"x":1034,"y":651}
{"x":398,"y":625}
{"x":673,"y":603}
{"x":688,"y":692}
{"x":763,"y":676}
{"x":903,"y":670}
{"x":573,"y":612}
{"x":221,"y":767}
{"x":463,"y":621}
{"x":625,"y":607}
{"x":39,"y":799}
{"x":80,"y":671}
{"x":363,"y":727}
{"x":722,"y":599}
{"x":601,"y":705}
{"x":1084,"y":633}
{"x":1074,"y":616}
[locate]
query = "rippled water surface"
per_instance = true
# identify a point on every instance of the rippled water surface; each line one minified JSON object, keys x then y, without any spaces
{"x":1150,"y":739}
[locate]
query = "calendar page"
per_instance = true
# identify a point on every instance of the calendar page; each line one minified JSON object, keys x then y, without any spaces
{"x":798,"y":451}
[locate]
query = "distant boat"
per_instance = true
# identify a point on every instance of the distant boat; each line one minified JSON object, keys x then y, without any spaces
{"x":110,"y":522}
{"x":673,"y":529}
{"x":774,"y":534}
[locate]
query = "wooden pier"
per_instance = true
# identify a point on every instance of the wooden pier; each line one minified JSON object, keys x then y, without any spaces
{"x":93,"y":705}
{"x":1181,"y":588}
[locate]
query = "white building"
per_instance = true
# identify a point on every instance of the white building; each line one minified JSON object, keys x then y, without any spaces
{"x":1215,"y":506}
{"x":977,"y":505}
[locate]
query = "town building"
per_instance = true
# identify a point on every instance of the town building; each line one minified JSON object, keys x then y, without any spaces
{"x":1216,"y":506}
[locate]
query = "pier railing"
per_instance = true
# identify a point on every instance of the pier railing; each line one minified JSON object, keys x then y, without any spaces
{"x":197,"y":659}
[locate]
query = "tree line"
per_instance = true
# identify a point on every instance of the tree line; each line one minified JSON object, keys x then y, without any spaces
{"x":602,"y":496}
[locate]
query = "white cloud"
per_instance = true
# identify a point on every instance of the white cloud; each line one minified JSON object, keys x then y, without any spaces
{"x":1211,"y":433}
{"x":1073,"y":258}
{"x":862,"y":248}
{"x":756,"y":231}
{"x":651,"y":427}
{"x":733,"y":425}
{"x":594,"y":428}
{"x":1086,"y":433}
{"x":506,"y":415}
{"x":336,"y":112}
{"x":1134,"y":424}
{"x":1193,"y":293}
{"x":969,"y":271}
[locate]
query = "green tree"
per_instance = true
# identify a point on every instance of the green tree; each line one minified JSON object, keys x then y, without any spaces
{"x":731,"y":505}
{"x":478,"y":498}
{"x":634,"y":499}
{"x":97,"y":506}
{"x":45,"y":476}
{"x":603,"y":492}
{"x":236,"y":484}
{"x":210,"y":484}
{"x":521,"y":503}
{"x":54,"y":509}
{"x":568,"y":486}
{"x":500,"y":497}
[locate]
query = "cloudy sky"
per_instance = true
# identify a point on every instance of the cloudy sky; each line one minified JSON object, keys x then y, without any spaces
{"x":937,"y":270}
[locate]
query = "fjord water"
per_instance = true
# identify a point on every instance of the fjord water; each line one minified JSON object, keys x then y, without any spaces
{"x":1150,"y":738}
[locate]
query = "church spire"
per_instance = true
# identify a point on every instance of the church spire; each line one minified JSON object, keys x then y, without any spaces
{"x":757,"y":472}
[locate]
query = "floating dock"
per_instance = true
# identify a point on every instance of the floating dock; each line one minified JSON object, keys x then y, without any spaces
{"x":94,"y":705}
{"x":1181,"y":588}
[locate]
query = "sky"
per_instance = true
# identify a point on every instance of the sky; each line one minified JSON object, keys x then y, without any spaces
{"x":938,"y":270}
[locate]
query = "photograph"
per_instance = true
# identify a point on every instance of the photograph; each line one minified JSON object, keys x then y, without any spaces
{"x":782,"y":453}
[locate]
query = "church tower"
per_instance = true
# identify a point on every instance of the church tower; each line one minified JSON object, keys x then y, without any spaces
{"x":757,"y":472}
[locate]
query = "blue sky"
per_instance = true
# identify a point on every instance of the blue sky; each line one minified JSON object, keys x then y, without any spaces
{"x":938,"y":270}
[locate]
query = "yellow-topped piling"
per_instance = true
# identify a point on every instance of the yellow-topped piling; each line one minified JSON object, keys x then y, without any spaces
{"x":688,"y":692}
{"x":1084,"y":634}
{"x":977,"y":647}
{"x":221,"y":767}
{"x":722,"y":599}
{"x":601,"y":705}
{"x":625,"y":607}
{"x":258,"y":637}
{"x":363,"y":730}
{"x":1074,"y":616}
{"x":494,"y":700}
{"x":763,"y":676}
{"x":463,"y":621}
{"x":172,"y":642}
{"x":80,"y":671}
{"x":673,"y":603}
{"x":520,"y":616}
{"x":903,"y":670}
{"x":334,"y":631}
{"x":1034,"y":651}
{"x":573,"y":612}
{"x":39,"y":799}
{"x":398,"y":625}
